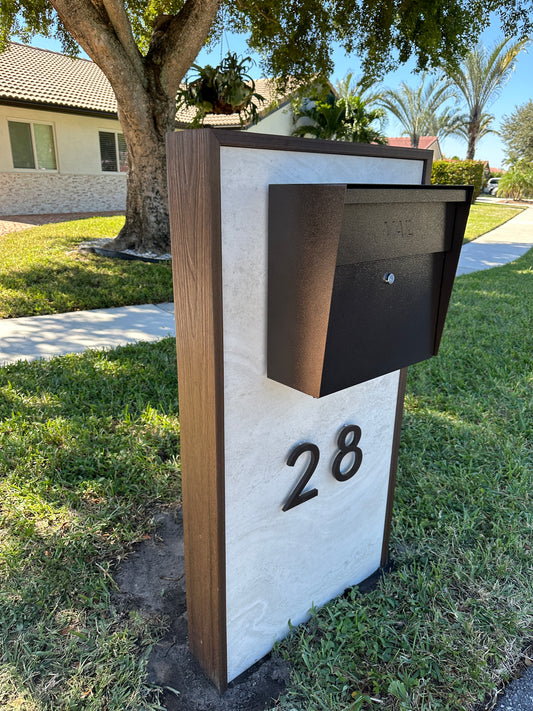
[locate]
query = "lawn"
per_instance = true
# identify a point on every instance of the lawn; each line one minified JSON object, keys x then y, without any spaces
{"x":41,"y":271}
{"x":484,"y":217}
{"x":454,"y":617}
{"x":89,"y":448}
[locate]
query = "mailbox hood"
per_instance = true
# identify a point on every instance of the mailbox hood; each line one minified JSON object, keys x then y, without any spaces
{"x":359,"y":279}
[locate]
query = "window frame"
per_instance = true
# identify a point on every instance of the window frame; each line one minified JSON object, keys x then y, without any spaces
{"x":116,"y":133}
{"x":30,"y":123}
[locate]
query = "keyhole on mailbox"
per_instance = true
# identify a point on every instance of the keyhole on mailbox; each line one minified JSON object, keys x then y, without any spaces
{"x":388,"y":277}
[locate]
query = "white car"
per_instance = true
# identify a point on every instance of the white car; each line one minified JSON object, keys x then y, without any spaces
{"x":492,"y":186}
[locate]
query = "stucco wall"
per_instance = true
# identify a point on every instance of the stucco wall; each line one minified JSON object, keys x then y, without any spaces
{"x":78,"y":185}
{"x":278,"y":123}
{"x":76,"y":139}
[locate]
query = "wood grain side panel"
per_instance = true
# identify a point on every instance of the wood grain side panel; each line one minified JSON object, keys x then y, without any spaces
{"x":194,"y":206}
{"x":394,"y":465}
{"x":428,"y":166}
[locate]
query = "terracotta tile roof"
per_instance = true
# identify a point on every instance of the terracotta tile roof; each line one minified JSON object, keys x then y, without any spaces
{"x":405,"y":141}
{"x":40,"y":76}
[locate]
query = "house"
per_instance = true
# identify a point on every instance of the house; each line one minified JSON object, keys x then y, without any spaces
{"x":426,"y":142}
{"x":488,"y":171}
{"x":61,"y":145}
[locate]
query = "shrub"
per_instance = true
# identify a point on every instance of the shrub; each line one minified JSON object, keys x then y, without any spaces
{"x":458,"y":172}
{"x":517,"y":183}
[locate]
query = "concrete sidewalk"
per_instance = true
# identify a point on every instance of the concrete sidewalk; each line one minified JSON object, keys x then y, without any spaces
{"x":36,"y":337}
{"x":504,"y":244}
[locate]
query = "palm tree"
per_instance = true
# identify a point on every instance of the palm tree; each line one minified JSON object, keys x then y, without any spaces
{"x":344,"y":119}
{"x":361,"y":87}
{"x":480,"y":77}
{"x":485,"y":123}
{"x":420,"y":111}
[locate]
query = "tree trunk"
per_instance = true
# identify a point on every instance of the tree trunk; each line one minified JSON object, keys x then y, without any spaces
{"x":473,"y":133}
{"x":145,"y":87}
{"x":471,"y":150}
{"x":147,"y":227}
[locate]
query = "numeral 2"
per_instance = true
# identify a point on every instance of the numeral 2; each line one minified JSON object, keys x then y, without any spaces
{"x":296,"y":497}
{"x":347,"y":442}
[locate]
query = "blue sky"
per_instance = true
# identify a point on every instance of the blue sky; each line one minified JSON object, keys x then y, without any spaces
{"x":517,"y":91}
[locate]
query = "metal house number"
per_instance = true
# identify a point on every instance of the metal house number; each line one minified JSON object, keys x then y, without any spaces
{"x":347,"y":442}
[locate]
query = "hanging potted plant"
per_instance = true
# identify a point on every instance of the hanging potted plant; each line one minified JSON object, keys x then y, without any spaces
{"x":224,"y":89}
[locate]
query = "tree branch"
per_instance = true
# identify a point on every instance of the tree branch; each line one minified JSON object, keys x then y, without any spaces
{"x":176,"y":40}
{"x":89,"y":25}
{"x":122,"y":26}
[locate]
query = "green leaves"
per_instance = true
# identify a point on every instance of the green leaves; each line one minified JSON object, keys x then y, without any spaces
{"x":458,"y":172}
{"x":422,"y":110}
{"x":517,"y":183}
{"x":479,"y":78}
{"x":344,"y":119}
{"x":517,"y":134}
{"x":224,"y":89}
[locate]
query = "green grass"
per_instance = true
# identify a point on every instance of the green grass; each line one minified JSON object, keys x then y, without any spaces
{"x":41,"y":271}
{"x":452,"y":620}
{"x":485,"y":217}
{"x":89,"y":447}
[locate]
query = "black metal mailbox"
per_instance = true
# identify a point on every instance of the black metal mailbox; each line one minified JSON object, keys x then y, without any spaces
{"x":359,"y":279}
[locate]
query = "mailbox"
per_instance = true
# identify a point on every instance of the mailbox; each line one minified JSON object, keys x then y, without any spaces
{"x":349,"y":281}
{"x":359,"y":279}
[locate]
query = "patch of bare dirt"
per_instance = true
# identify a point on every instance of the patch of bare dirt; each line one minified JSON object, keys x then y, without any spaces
{"x":152,"y":582}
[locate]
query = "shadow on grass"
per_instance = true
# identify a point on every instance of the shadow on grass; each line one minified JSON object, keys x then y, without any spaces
{"x":82,"y":282}
{"x":89,"y":445}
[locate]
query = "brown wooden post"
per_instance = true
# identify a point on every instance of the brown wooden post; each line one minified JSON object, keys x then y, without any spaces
{"x":194,"y":206}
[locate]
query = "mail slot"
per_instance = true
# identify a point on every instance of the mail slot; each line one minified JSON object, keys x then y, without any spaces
{"x":359,"y":279}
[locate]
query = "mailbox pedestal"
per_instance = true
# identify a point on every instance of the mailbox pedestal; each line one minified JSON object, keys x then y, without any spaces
{"x":288,"y":449}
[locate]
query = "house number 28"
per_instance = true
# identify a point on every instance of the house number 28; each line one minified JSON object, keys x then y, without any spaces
{"x":347,"y":442}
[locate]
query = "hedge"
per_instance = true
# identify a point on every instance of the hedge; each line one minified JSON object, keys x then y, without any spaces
{"x":458,"y":172}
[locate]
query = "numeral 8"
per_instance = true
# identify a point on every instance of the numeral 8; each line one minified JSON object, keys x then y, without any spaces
{"x":345,"y":447}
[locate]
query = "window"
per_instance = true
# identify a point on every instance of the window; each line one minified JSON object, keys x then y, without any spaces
{"x":113,"y":155}
{"x":32,"y":145}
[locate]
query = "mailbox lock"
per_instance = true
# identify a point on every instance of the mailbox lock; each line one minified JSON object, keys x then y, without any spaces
{"x":388,"y":277}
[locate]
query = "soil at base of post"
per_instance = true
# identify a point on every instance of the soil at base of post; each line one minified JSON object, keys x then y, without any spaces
{"x":152,"y":582}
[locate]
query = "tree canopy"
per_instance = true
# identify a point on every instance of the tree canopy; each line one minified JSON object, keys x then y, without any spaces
{"x":145,"y":47}
{"x":517,"y":133}
{"x":293,"y":38}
